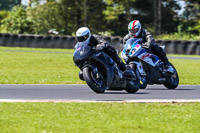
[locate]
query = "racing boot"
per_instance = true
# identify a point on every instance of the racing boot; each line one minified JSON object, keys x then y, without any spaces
{"x":168,"y":67}
{"x":159,"y":51}
{"x":127,"y":71}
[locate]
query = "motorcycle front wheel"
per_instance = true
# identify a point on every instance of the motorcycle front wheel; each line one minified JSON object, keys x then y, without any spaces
{"x":142,"y":80}
{"x":132,"y":86}
{"x":94,"y":81}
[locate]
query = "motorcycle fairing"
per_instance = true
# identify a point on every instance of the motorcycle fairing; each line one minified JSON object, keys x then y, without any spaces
{"x":149,"y":58}
{"x":81,"y":53}
{"x":139,"y":67}
{"x":135,"y":50}
{"x":85,"y":56}
{"x":107,"y":62}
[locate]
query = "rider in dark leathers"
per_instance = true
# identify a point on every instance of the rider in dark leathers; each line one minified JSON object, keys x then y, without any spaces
{"x":83,"y":34}
{"x":148,"y":42}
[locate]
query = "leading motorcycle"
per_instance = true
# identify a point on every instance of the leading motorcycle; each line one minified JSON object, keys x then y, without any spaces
{"x":149,"y":69}
{"x":100,"y":72}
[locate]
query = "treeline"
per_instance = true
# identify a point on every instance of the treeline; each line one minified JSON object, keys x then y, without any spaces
{"x":108,"y":17}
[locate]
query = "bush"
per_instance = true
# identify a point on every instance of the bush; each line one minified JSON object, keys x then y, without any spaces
{"x":17,"y":21}
{"x":45,"y":17}
{"x":3,"y":15}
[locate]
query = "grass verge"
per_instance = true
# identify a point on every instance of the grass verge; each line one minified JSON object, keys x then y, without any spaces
{"x":37,"y":66}
{"x":178,"y":36}
{"x":99,"y":117}
{"x":45,"y":66}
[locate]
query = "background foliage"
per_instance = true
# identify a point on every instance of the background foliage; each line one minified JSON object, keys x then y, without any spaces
{"x":108,"y":17}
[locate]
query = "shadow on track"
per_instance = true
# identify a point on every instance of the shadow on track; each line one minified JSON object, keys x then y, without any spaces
{"x":125,"y":93}
{"x":169,"y":89}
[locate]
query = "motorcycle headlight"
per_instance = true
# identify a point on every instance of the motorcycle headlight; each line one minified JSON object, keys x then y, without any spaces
{"x":123,"y":55}
{"x":133,"y":51}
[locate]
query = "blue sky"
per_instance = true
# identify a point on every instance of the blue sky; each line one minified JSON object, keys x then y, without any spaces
{"x":182,"y":4}
{"x":25,"y":2}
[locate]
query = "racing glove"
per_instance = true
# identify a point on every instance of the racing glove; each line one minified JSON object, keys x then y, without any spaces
{"x":101,"y":46}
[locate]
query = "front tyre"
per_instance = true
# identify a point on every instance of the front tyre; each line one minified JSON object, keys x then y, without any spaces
{"x":142,"y":80}
{"x":172,"y":80}
{"x":96,"y":83}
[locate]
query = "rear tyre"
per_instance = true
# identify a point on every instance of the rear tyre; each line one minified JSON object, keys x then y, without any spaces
{"x":172,"y":81}
{"x":97,"y":84}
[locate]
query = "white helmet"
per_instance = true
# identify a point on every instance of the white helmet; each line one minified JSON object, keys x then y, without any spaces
{"x":134,"y":28}
{"x":83,"y":34}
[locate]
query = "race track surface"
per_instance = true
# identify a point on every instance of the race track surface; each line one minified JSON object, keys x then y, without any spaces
{"x":66,"y":93}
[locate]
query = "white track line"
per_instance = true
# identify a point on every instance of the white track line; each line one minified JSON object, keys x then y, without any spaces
{"x":120,"y":101}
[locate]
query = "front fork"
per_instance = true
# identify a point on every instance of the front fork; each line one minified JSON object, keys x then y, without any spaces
{"x":139,"y":71}
{"x":139,"y":67}
{"x":94,"y":70}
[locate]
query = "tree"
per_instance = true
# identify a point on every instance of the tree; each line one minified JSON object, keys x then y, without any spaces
{"x":17,"y":21}
{"x":170,"y":20}
{"x":3,"y":15}
{"x":192,"y":10}
{"x":111,"y":16}
{"x":80,"y":13}
{"x":118,"y":14}
{"x":95,"y":19}
{"x":45,"y":17}
{"x":8,"y":4}
{"x":190,"y":17}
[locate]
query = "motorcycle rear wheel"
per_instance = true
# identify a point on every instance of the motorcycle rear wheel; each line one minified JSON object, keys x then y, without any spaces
{"x":96,"y":84}
{"x":172,"y":81}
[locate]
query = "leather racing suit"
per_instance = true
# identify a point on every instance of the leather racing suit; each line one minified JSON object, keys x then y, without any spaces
{"x":149,"y":43}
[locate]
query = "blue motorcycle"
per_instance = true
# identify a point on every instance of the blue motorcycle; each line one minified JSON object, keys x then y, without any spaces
{"x":149,"y":69}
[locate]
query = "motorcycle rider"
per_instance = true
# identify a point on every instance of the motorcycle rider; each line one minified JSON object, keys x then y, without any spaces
{"x":136,"y":31}
{"x":83,"y":35}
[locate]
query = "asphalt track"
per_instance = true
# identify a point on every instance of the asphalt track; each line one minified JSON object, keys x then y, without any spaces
{"x":82,"y":93}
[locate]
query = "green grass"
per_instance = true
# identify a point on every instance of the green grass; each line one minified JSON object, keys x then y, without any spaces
{"x":181,"y":55}
{"x":19,"y":67}
{"x":188,"y":71}
{"x":100,"y":117}
{"x":39,"y":67}
{"x":178,"y":36}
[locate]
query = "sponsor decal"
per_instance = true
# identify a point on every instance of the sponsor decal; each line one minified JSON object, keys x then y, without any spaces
{"x":137,"y":46}
{"x":78,"y":49}
{"x":145,"y":56}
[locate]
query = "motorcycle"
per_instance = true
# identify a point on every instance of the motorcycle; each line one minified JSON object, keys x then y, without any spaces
{"x":149,"y":69}
{"x":99,"y":70}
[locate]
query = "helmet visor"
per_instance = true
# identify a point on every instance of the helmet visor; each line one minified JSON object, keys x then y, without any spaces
{"x":82,"y":38}
{"x":133,"y":31}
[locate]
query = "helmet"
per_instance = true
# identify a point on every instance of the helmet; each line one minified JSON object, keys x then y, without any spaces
{"x":134,"y":28}
{"x":83,"y":34}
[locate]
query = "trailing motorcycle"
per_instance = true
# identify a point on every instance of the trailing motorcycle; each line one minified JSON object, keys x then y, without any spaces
{"x":100,"y":72}
{"x":149,"y":69}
